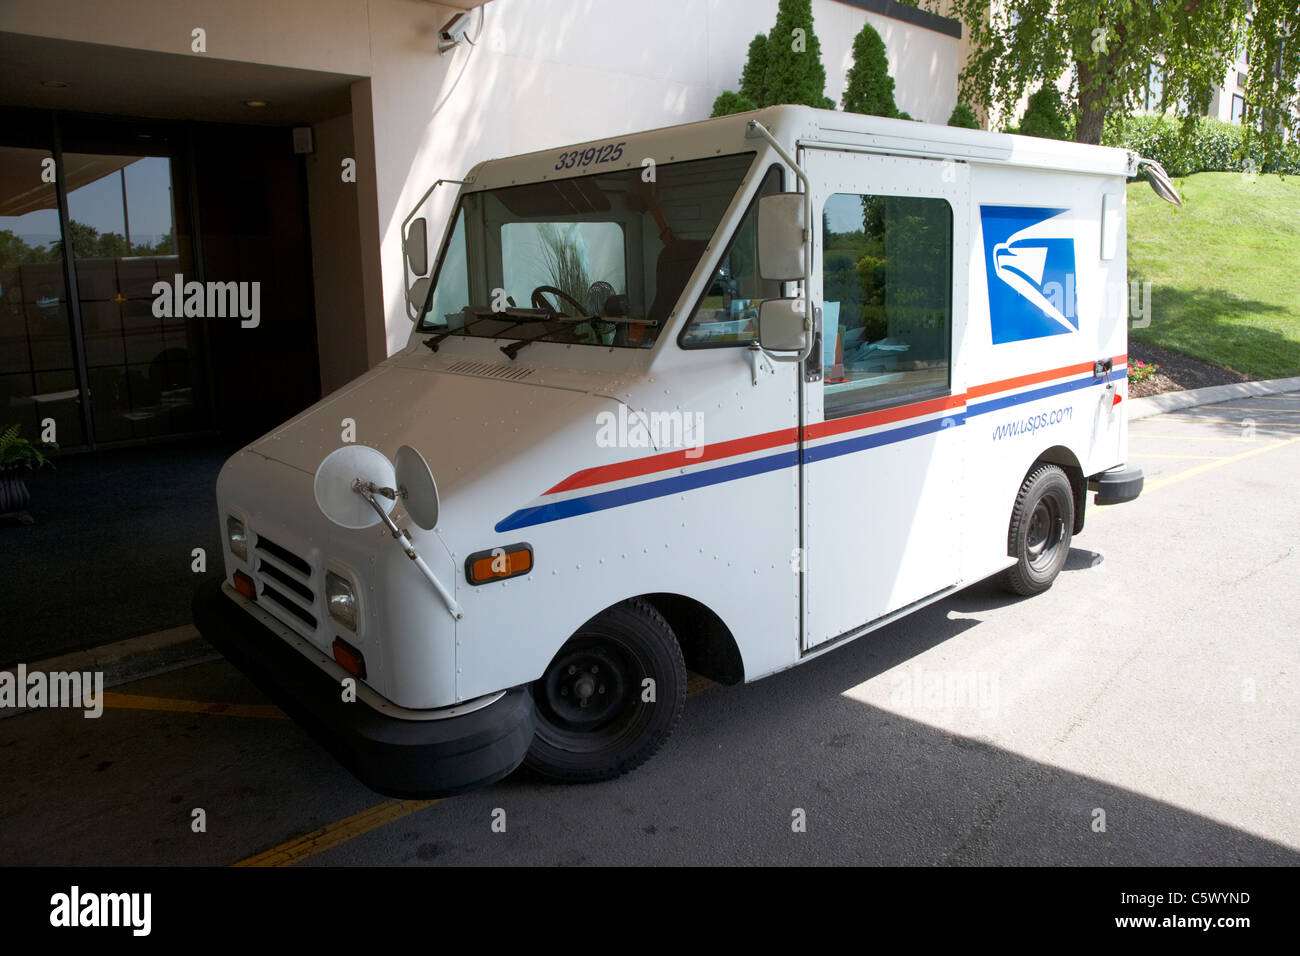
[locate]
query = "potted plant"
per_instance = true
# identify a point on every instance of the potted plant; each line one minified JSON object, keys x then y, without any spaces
{"x":18,"y":458}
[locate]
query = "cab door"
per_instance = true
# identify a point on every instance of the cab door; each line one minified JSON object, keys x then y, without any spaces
{"x":883,"y":396}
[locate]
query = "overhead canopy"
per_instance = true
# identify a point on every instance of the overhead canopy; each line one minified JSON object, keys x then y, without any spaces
{"x":23,"y":188}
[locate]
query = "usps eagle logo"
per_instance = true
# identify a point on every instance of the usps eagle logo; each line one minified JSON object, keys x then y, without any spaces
{"x":1029,"y":259}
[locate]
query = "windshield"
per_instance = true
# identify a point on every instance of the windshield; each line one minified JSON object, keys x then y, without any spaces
{"x":593,"y":260}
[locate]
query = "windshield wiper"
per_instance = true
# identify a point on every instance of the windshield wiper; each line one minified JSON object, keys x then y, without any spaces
{"x":506,"y":316}
{"x":514,"y":348}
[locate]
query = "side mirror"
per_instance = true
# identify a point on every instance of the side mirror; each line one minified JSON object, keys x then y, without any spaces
{"x":781,"y":325}
{"x":781,"y":237}
{"x":416,"y":247}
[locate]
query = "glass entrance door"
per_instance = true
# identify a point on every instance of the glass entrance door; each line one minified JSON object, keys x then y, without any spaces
{"x":144,"y":370}
{"x":81,"y":344}
{"x":38,"y":368}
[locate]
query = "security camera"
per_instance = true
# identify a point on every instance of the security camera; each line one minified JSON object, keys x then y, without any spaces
{"x":452,"y":32}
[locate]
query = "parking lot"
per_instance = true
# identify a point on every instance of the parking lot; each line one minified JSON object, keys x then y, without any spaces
{"x":1146,"y":710}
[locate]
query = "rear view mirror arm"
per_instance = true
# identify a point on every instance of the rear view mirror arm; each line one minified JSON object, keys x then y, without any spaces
{"x":757,"y":129}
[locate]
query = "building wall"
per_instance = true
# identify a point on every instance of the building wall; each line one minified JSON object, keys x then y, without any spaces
{"x":542,"y":73}
{"x":548,"y":72}
{"x":336,"y":256}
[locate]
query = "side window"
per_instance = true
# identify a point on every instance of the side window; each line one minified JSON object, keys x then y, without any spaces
{"x":728,"y":312}
{"x":887,"y":291}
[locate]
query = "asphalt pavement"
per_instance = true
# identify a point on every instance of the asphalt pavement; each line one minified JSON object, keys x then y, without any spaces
{"x":1145,"y":710}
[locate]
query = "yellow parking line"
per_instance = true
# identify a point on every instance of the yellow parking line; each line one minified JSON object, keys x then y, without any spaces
{"x":1138,"y":434}
{"x":1151,"y":454}
{"x":1228,"y":421}
{"x":140,"y":702}
{"x":334,"y":834}
{"x":340,"y":832}
{"x":1208,"y":466}
{"x":1247,"y":408}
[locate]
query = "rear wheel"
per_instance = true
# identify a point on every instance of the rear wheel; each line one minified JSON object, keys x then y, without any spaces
{"x":610,"y":698}
{"x":1042,"y":524}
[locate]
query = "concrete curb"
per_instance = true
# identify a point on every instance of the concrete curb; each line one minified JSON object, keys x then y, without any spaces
{"x":123,"y":662}
{"x":1172,"y":401}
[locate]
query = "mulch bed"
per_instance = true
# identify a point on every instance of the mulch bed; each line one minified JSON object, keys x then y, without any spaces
{"x":1177,"y":371}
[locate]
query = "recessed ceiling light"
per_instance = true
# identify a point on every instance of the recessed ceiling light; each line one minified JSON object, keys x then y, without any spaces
{"x":54,"y":84}
{"x":255,"y":103}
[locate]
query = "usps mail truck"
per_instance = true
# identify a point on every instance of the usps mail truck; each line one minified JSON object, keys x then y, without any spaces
{"x":714,"y":398}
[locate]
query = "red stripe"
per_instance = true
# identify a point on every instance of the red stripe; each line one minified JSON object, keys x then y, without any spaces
{"x":854,"y":422}
{"x":978,"y":391}
{"x":674,"y":459}
{"x":638,"y":467}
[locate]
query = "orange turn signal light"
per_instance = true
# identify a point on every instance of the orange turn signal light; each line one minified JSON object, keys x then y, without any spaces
{"x":497,"y":564}
{"x":349,"y":658}
{"x":245,"y":586}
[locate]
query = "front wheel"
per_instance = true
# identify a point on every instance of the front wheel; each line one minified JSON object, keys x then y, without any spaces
{"x":1042,"y":525}
{"x":610,"y":698}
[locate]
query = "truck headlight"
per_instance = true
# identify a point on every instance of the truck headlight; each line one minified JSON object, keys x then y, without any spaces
{"x":237,"y":538}
{"x":341,"y":600}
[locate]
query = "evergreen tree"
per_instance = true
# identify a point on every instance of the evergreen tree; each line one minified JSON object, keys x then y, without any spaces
{"x":753,"y":79}
{"x":795,"y":73}
{"x":869,"y":88}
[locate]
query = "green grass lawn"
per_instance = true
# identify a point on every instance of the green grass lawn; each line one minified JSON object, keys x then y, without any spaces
{"x":1224,"y":270}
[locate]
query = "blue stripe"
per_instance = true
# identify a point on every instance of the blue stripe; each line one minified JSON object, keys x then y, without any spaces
{"x":541,"y":514}
{"x":850,"y":445}
{"x":662,"y":487}
{"x":1060,"y":388}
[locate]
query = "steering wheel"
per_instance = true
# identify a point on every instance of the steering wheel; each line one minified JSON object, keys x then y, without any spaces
{"x":539,"y":301}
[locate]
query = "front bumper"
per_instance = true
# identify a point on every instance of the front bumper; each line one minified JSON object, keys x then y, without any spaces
{"x":394,"y":756}
{"x":1119,"y":484}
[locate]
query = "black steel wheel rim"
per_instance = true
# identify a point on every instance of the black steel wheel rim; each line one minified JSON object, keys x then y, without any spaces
{"x":1045,"y":533}
{"x":591,"y":694}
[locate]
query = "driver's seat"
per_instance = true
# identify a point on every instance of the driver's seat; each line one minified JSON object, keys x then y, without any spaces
{"x":677,"y":261}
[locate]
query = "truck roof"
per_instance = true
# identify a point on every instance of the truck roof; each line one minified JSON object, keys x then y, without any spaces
{"x":804,"y":125}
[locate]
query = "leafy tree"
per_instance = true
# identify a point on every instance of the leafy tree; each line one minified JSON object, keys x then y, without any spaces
{"x":1045,"y":116}
{"x":753,"y":79}
{"x":795,"y":73}
{"x":963,"y":116}
{"x":729,"y":101}
{"x":1109,"y":47}
{"x":869,"y":88}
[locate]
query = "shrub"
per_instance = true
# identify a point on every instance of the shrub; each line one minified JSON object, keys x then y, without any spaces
{"x":729,"y":102}
{"x":1045,"y":116}
{"x":963,"y":116}
{"x":1211,"y":145}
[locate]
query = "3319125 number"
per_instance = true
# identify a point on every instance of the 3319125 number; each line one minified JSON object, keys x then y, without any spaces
{"x":591,"y":156}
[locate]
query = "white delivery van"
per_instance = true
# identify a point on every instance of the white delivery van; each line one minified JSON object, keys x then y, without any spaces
{"x":718,"y":397}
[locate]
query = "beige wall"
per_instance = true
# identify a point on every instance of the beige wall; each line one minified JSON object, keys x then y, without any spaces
{"x":548,"y":72}
{"x":309,"y":34}
{"x":336,"y":256}
{"x":543,"y":73}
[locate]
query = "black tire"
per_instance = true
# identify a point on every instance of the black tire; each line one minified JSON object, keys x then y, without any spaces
{"x":1042,"y":526}
{"x":592,"y":721}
